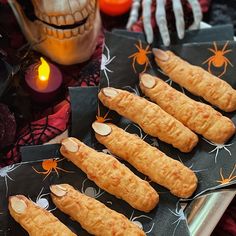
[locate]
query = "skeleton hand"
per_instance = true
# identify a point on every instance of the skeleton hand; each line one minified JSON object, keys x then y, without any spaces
{"x":161,"y":18}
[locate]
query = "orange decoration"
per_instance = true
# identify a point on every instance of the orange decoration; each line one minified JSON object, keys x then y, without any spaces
{"x":115,"y":7}
{"x":226,"y":180}
{"x":140,"y":57}
{"x":101,"y":119}
{"x":49,"y":166}
{"x":219,"y":59}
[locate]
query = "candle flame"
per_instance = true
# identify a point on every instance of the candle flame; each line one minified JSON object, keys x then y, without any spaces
{"x":43,"y":70}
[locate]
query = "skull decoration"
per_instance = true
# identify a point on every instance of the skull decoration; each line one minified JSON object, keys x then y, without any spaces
{"x":64,"y":30}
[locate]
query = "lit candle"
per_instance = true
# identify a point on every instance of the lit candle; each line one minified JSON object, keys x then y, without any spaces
{"x":43,"y":80}
{"x":43,"y":74}
{"x":115,"y":7}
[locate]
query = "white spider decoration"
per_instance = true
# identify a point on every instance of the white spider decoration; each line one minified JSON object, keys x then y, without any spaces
{"x":42,"y":202}
{"x":106,"y":60}
{"x":91,"y":191}
{"x":134,"y":90}
{"x":196,"y":171}
{"x":162,"y":72}
{"x":106,"y":151}
{"x":169,"y":81}
{"x":203,"y":101}
{"x":218,"y":147}
{"x":200,"y":99}
{"x":4,"y":174}
{"x":141,"y":135}
{"x":154,"y":142}
{"x":191,"y":166}
{"x":180,"y":214}
{"x":136,"y":221}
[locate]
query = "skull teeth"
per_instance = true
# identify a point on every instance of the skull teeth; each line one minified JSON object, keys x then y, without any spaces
{"x":53,"y":20}
{"x":78,"y":16}
{"x":67,"y":33}
{"x":67,"y":19}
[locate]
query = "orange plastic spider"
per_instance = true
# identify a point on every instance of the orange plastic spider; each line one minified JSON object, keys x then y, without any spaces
{"x":227,"y":180}
{"x":141,"y":56}
{"x":218,"y":60}
{"x":49,"y":166}
{"x":101,"y":119}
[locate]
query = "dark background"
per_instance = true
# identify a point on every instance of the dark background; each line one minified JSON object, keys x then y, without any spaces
{"x":221,"y":12}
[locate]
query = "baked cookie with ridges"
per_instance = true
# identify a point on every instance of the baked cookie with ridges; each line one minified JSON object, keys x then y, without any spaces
{"x":92,"y":215}
{"x":109,"y":174}
{"x":199,"y":117}
{"x":172,"y":174}
{"x":197,"y":80}
{"x":150,"y":117}
{"x":35,"y":220}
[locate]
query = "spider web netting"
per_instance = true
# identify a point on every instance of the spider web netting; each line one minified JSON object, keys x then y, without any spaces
{"x":39,"y":132}
{"x":37,"y":125}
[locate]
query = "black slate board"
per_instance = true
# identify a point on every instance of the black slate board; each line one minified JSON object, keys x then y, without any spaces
{"x":166,"y":219}
{"x":84,"y":107}
{"x":170,"y":220}
{"x":207,"y":164}
{"x":81,"y":124}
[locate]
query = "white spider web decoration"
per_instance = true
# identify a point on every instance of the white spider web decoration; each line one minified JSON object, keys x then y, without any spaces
{"x":191,"y":166}
{"x":140,"y":135}
{"x":170,"y":81}
{"x":4,"y":173}
{"x":218,"y":148}
{"x":91,"y":191}
{"x":134,"y":90}
{"x":106,"y":60}
{"x":180,"y":217}
{"x":42,"y":201}
{"x":136,"y":221}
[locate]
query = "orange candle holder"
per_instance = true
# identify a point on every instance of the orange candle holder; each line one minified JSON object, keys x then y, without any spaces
{"x":115,"y":7}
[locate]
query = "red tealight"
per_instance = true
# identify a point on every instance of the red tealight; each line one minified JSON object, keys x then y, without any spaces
{"x":44,"y":81}
{"x":115,"y":7}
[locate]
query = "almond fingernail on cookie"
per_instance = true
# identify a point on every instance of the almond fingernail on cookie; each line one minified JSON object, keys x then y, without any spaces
{"x":150,"y":117}
{"x":109,"y":174}
{"x":197,"y":116}
{"x":92,"y":215}
{"x":172,"y":174}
